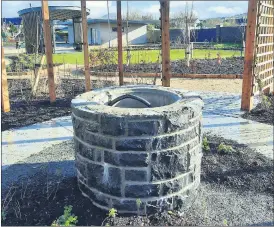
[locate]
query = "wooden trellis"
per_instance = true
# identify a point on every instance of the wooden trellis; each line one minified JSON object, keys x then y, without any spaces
{"x":259,"y":55}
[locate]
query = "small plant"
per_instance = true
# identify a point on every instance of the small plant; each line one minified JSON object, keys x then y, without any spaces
{"x":138,"y":204}
{"x":67,"y":219}
{"x":205,"y":145}
{"x":225,"y":222}
{"x":266,"y":102}
{"x":223,"y":148}
{"x":112,"y":213}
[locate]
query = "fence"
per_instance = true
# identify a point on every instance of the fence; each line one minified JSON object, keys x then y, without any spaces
{"x":218,"y":34}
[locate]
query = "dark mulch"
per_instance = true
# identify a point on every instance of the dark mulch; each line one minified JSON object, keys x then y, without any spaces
{"x":26,"y":110}
{"x":242,"y":170}
{"x":262,"y":113}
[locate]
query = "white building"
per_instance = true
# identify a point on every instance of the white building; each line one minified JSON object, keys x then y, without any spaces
{"x":100,"y":34}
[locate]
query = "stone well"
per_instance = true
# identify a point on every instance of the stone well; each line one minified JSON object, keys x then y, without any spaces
{"x":138,"y":143}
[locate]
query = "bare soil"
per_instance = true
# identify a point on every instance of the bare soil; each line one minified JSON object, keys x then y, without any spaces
{"x":236,"y":189}
{"x":262,"y":113}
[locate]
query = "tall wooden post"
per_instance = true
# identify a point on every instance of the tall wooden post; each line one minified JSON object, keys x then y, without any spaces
{"x":4,"y":91}
{"x":120,"y":43}
{"x":48,"y":48}
{"x":85,"y":43}
{"x":165,"y":43}
{"x":248,"y":75}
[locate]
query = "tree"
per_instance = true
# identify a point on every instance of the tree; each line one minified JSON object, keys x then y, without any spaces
{"x":12,"y":29}
{"x":185,"y":20}
{"x":243,"y":31}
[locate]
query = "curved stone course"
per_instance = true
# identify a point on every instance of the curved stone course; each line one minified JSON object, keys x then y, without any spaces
{"x":124,"y":154}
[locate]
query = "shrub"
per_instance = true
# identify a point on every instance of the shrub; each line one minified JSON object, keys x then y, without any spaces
{"x":205,"y":145}
{"x":67,"y":219}
{"x":223,"y":148}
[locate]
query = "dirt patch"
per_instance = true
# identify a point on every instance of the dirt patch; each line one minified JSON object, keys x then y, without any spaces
{"x":263,"y":112}
{"x":236,"y":189}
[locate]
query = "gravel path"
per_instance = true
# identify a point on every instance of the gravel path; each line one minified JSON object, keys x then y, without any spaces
{"x":232,"y":199}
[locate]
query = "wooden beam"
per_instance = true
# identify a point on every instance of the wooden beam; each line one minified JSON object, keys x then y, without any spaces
{"x":48,"y":48}
{"x":248,"y":77}
{"x":165,"y":43}
{"x":120,"y":42}
{"x":4,"y":91}
{"x":85,"y":43}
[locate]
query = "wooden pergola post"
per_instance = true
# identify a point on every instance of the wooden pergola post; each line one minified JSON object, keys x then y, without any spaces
{"x":165,"y":43}
{"x":4,"y":90}
{"x":48,"y":49}
{"x":248,"y":75}
{"x":85,"y":44}
{"x":120,"y":42}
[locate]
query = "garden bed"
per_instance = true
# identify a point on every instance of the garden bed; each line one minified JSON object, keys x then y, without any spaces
{"x":236,"y":189}
{"x":263,"y":112}
{"x":197,"y":66}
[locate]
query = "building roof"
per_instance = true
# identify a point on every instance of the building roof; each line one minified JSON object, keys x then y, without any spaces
{"x":97,"y":21}
{"x":56,"y":12}
{"x":14,"y":20}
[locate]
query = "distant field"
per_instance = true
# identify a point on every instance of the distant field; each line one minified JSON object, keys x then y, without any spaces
{"x":148,"y":55}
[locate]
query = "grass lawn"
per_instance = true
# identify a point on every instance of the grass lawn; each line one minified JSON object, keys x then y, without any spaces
{"x":148,"y":55}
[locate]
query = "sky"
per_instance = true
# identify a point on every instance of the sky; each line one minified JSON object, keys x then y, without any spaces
{"x":203,"y":9}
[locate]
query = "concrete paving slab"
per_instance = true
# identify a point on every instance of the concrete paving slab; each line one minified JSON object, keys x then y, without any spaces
{"x":20,"y":143}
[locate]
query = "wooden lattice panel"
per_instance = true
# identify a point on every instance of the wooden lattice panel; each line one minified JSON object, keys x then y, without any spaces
{"x":264,"y":50}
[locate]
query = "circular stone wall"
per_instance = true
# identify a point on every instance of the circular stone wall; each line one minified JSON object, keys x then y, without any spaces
{"x":129,"y":152}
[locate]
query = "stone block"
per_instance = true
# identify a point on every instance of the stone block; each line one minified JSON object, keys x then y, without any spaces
{"x":81,"y":166}
{"x":127,"y":205}
{"x":169,"y":164}
{"x":126,"y":159}
{"x":143,"y":128}
{"x":104,"y":178}
{"x":115,"y":126}
{"x":177,"y":184}
{"x":142,"y":191}
{"x":98,"y":140}
{"x":136,"y":175}
{"x":96,"y":197}
{"x":134,"y":145}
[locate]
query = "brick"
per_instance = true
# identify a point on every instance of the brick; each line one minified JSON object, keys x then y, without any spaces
{"x":104,"y":178}
{"x":136,"y":175}
{"x":126,"y":159}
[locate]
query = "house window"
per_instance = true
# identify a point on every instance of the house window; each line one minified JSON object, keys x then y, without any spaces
{"x":114,"y":29}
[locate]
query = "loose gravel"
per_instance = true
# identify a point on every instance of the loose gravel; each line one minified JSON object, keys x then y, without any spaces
{"x":236,"y":189}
